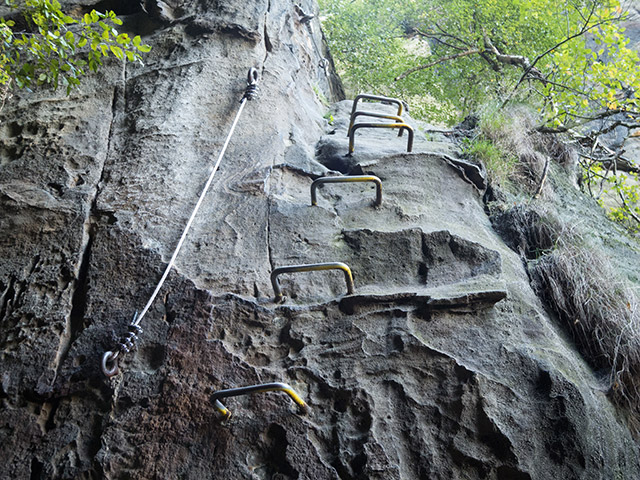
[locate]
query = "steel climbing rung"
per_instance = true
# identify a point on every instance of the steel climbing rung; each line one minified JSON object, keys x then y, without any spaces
{"x":265,"y":387}
{"x":352,"y":132}
{"x":312,"y":267}
{"x":347,"y":179}
{"x":362,"y":113}
{"x":378,"y":98}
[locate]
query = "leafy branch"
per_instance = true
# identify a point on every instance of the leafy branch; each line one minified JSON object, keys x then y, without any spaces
{"x":56,"y":49}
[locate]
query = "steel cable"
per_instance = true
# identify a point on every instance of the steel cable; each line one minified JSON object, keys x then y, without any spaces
{"x":109,"y":359}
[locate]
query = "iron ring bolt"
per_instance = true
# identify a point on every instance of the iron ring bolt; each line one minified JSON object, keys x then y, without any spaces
{"x":110,"y":364}
{"x":251,"y":92}
{"x":304,"y":17}
{"x":128,"y":343}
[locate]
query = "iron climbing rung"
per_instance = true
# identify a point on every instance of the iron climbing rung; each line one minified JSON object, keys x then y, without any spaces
{"x":399,"y":123}
{"x":377,"y":98}
{"x":348,"y":179}
{"x":362,"y":113}
{"x":312,"y":267}
{"x":265,"y":387}
{"x":401,"y":126}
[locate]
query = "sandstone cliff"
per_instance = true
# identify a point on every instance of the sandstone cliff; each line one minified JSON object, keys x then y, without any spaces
{"x":443,"y":365}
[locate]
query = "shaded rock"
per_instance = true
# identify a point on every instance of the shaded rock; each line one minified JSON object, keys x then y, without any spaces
{"x":443,"y":364}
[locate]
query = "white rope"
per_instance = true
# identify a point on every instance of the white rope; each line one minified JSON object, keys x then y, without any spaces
{"x":193,"y":216}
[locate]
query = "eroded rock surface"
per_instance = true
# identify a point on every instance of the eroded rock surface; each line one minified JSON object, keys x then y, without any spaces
{"x":442,"y":365}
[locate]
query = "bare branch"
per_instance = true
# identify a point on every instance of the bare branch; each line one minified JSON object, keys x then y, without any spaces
{"x":504,"y":58}
{"x":628,"y":209}
{"x":561,"y":129}
{"x":437,"y":38}
{"x":585,"y":28}
{"x":619,"y":123}
{"x":447,"y":34}
{"x":436,"y":62}
{"x":543,"y":177}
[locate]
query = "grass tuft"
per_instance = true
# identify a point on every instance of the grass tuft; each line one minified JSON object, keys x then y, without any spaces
{"x":601,"y":311}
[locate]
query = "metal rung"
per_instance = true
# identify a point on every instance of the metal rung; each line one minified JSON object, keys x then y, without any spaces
{"x":377,"y":98}
{"x":375,"y":115}
{"x":352,"y":132}
{"x":313,"y":267}
{"x":348,"y":179}
{"x":265,"y":387}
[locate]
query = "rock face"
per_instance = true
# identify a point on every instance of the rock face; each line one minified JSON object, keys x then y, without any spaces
{"x":442,"y":365}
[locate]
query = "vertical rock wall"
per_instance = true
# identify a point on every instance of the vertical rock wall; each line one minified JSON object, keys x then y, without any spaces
{"x":443,"y":365}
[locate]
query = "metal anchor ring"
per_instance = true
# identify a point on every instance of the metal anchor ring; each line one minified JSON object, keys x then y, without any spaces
{"x":352,"y":132}
{"x":110,"y":358}
{"x":265,"y":387}
{"x":348,"y":179}
{"x":312,"y":267}
{"x":251,"y":91}
{"x":252,"y":77}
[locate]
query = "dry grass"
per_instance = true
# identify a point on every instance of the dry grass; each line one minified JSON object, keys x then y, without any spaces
{"x":513,"y":132}
{"x":510,"y":130}
{"x":601,"y":311}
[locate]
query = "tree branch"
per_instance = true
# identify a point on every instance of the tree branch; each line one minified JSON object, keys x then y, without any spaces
{"x":519,"y":60}
{"x":437,"y":38}
{"x":582,"y":31}
{"x":466,"y":53}
{"x":619,"y":123}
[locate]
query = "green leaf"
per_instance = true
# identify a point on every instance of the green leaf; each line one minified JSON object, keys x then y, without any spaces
{"x":45,"y":51}
{"x":117,"y":51}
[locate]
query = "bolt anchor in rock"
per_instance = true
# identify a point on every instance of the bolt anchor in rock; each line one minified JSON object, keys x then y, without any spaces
{"x":128,"y":343}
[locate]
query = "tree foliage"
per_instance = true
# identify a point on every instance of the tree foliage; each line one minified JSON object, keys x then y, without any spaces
{"x":569,"y":60}
{"x":41,"y":45}
{"x":465,"y":52}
